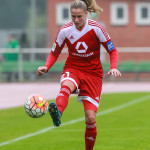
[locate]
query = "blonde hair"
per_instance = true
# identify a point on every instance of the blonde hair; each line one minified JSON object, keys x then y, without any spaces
{"x":87,"y":5}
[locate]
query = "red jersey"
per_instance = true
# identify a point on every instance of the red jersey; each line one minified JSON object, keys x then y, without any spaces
{"x":83,"y":47}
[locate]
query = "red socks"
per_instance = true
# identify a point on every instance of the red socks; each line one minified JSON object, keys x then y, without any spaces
{"x":90,"y":135}
{"x":62,"y":98}
{"x":91,"y":132}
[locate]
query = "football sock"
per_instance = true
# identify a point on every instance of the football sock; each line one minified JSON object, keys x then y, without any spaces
{"x":90,"y":135}
{"x":62,"y":98}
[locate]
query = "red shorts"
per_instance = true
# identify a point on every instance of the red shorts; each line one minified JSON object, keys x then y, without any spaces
{"x":89,"y":86}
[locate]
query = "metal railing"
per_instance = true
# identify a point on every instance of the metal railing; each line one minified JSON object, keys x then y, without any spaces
{"x":24,"y":56}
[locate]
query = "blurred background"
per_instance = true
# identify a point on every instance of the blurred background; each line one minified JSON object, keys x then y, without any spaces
{"x":28,"y":29}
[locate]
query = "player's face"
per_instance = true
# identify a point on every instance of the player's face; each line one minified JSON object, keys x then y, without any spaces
{"x":78,"y":16}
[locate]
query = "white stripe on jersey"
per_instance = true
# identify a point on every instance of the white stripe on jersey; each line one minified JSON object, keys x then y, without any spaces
{"x":70,"y":32}
{"x":100,"y":31}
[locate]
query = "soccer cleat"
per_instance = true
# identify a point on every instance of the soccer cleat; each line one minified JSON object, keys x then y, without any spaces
{"x":55,"y":114}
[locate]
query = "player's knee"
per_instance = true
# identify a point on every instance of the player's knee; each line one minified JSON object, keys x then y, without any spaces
{"x":90,"y":118}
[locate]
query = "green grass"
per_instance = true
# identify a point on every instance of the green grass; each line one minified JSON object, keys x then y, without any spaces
{"x":124,"y":129}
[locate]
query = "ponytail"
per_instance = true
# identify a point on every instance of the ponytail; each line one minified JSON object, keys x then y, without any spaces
{"x":87,"y":5}
{"x":92,"y":6}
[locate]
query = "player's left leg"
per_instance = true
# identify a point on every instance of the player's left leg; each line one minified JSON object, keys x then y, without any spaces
{"x":90,"y":120}
{"x":90,"y":92}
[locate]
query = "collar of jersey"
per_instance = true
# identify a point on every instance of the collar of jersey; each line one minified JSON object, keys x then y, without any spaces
{"x":83,"y":27}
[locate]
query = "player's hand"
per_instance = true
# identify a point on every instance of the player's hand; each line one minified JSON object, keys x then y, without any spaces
{"x":114,"y":72}
{"x":42,"y":70}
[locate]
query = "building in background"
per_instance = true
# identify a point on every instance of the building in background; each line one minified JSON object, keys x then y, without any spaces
{"x":127,"y":21}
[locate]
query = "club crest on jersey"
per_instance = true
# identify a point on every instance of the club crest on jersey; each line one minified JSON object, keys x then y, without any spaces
{"x":81,"y":47}
{"x":54,"y":46}
{"x":110,"y":45}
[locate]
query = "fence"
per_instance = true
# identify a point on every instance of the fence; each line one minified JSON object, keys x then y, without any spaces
{"x":134,"y":63}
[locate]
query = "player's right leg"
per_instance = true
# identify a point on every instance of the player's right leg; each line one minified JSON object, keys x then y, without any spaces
{"x":67,"y":87}
{"x":56,"y":110}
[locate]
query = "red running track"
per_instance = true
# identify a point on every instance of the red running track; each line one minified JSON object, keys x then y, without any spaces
{"x":15,"y":94}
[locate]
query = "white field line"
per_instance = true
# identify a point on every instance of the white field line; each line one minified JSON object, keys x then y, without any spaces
{"x":133,"y":102}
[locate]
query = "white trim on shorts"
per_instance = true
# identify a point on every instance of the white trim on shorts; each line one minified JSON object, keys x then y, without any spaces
{"x":68,"y":78}
{"x":80,"y":98}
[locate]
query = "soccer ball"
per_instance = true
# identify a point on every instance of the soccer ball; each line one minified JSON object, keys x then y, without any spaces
{"x":36,"y":106}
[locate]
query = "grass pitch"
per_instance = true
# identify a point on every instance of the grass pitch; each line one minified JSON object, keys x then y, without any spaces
{"x":122,"y":123}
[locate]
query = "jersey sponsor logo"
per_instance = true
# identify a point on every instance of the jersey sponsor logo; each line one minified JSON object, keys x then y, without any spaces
{"x":81,"y":47}
{"x":83,"y":55}
{"x":54,"y":46}
{"x":110,"y":45}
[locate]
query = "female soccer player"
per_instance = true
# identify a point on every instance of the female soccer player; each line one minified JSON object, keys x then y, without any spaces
{"x":83,"y":69}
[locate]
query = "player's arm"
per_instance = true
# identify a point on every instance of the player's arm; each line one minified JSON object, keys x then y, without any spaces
{"x":105,"y":40}
{"x":51,"y":59}
{"x":55,"y":52}
{"x":110,"y":48}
